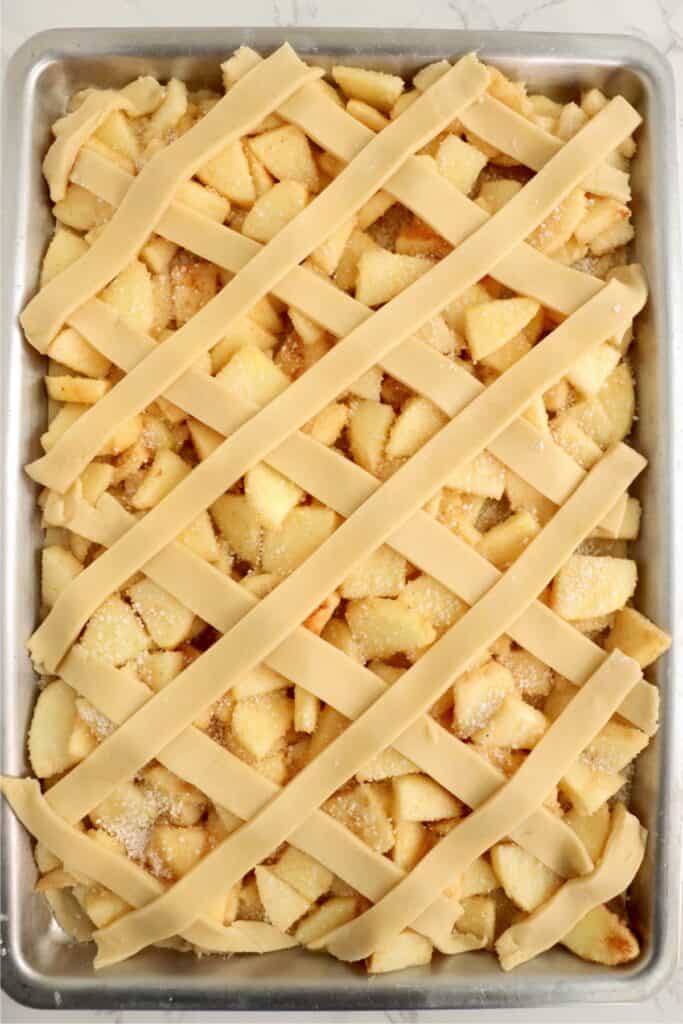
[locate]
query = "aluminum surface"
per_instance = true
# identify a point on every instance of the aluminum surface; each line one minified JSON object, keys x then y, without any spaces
{"x":39,"y":960}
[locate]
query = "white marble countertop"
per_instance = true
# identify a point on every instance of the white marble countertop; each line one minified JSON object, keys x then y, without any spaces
{"x":659,"y":21}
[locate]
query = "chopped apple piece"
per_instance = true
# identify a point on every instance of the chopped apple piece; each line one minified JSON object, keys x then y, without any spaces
{"x":118,"y":132}
{"x":615,"y":746}
{"x":240,"y":525}
{"x":252,"y":375}
{"x":308,"y":876}
{"x":525,"y":879}
{"x":420,"y":798}
{"x":166,"y":472}
{"x":589,"y":586}
{"x":478,"y":918}
{"x":407,"y":949}
{"x":64,"y":249}
{"x":382,"y":275}
{"x":81,"y":209}
{"x":328,"y":255}
{"x":592,"y":829}
{"x":103,"y":906}
{"x":173,"y":851}
{"x":123,"y":437}
{"x":460,"y":163}
{"x":413,"y":840}
{"x":181,"y":802}
{"x":169,"y":113}
{"x":59,"y":568}
{"x":228,"y":173}
{"x":114,"y":633}
{"x":168,"y":622}
{"x":559,"y":226}
{"x":126,"y":814}
{"x":158,"y":668}
{"x":608,"y":416}
{"x":454,"y":312}
{"x":587,"y":788}
{"x":602,"y":938}
{"x":261,"y":722}
{"x":274,"y":210}
{"x":51,"y":729}
{"x":575,"y":441}
{"x":283,"y":904}
{"x":369,"y":385}
{"x":361,"y":810}
{"x":477,"y":695}
{"x":433,"y":601}
{"x":377,"y":88}
{"x":591,"y":370}
{"x":306,"y":710}
{"x":383,"y":627}
{"x":506,"y":541}
{"x":72,"y":350}
{"x":385,"y":765}
{"x":327,"y":426}
{"x":204,"y":201}
{"x":367,"y":115}
{"x":304,"y":529}
{"x":483,"y":475}
{"x":330,"y":725}
{"x":532,"y":677}
{"x":286,"y":153}
{"x":490,"y":325}
{"x":477,"y":880}
{"x":271,"y":495}
{"x":515,"y":724}
{"x":381,"y":574}
{"x":346,"y":273}
{"x":369,"y":425}
{"x":419,"y":420}
{"x":82,"y":390}
{"x":637,"y":637}
{"x":332,"y":914}
{"x":337,"y":633}
{"x":200,"y":538}
{"x":131,"y":295}
{"x":493,"y":195}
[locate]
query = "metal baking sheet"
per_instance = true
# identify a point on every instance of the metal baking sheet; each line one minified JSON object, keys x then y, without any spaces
{"x":41,"y":967}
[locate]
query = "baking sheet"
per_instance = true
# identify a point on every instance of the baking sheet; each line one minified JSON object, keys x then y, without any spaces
{"x":40,"y":961}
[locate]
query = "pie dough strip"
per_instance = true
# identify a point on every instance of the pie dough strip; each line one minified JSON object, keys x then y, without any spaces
{"x":546,"y":467}
{"x":514,"y":135}
{"x":433,"y":199}
{"x":73,"y":130}
{"x":532,"y":146}
{"x":120,"y":874}
{"x":553,"y":920}
{"x":385,"y":720}
{"x":328,"y":211}
{"x":124,"y":235}
{"x":336,"y":679}
{"x":344,"y":486}
{"x":255,"y":635}
{"x":339,"y":368}
{"x":557,"y":750}
{"x":232,"y":784}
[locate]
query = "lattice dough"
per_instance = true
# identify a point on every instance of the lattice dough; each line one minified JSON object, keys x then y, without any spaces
{"x":338,"y":648}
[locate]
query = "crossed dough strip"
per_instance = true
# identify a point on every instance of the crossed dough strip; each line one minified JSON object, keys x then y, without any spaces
{"x":594,"y":322}
{"x":328,"y":211}
{"x":549,"y":923}
{"x":334,"y":678}
{"x":251,"y":640}
{"x":129,"y":881}
{"x":220,"y":601}
{"x":556,"y":751}
{"x":232,"y":784}
{"x":241,"y":109}
{"x":386,"y":719}
{"x":73,"y":130}
{"x":546,"y":466}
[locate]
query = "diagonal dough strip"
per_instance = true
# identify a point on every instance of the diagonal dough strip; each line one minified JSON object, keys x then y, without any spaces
{"x":546,"y":467}
{"x":385,"y":720}
{"x":622,"y":856}
{"x":594,"y":322}
{"x":554,"y":754}
{"x":329,"y":210}
{"x":232,"y":784}
{"x":124,"y":877}
{"x":281,"y":74}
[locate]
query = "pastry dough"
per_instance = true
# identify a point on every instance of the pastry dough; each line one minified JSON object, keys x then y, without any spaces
{"x":269,"y":643}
